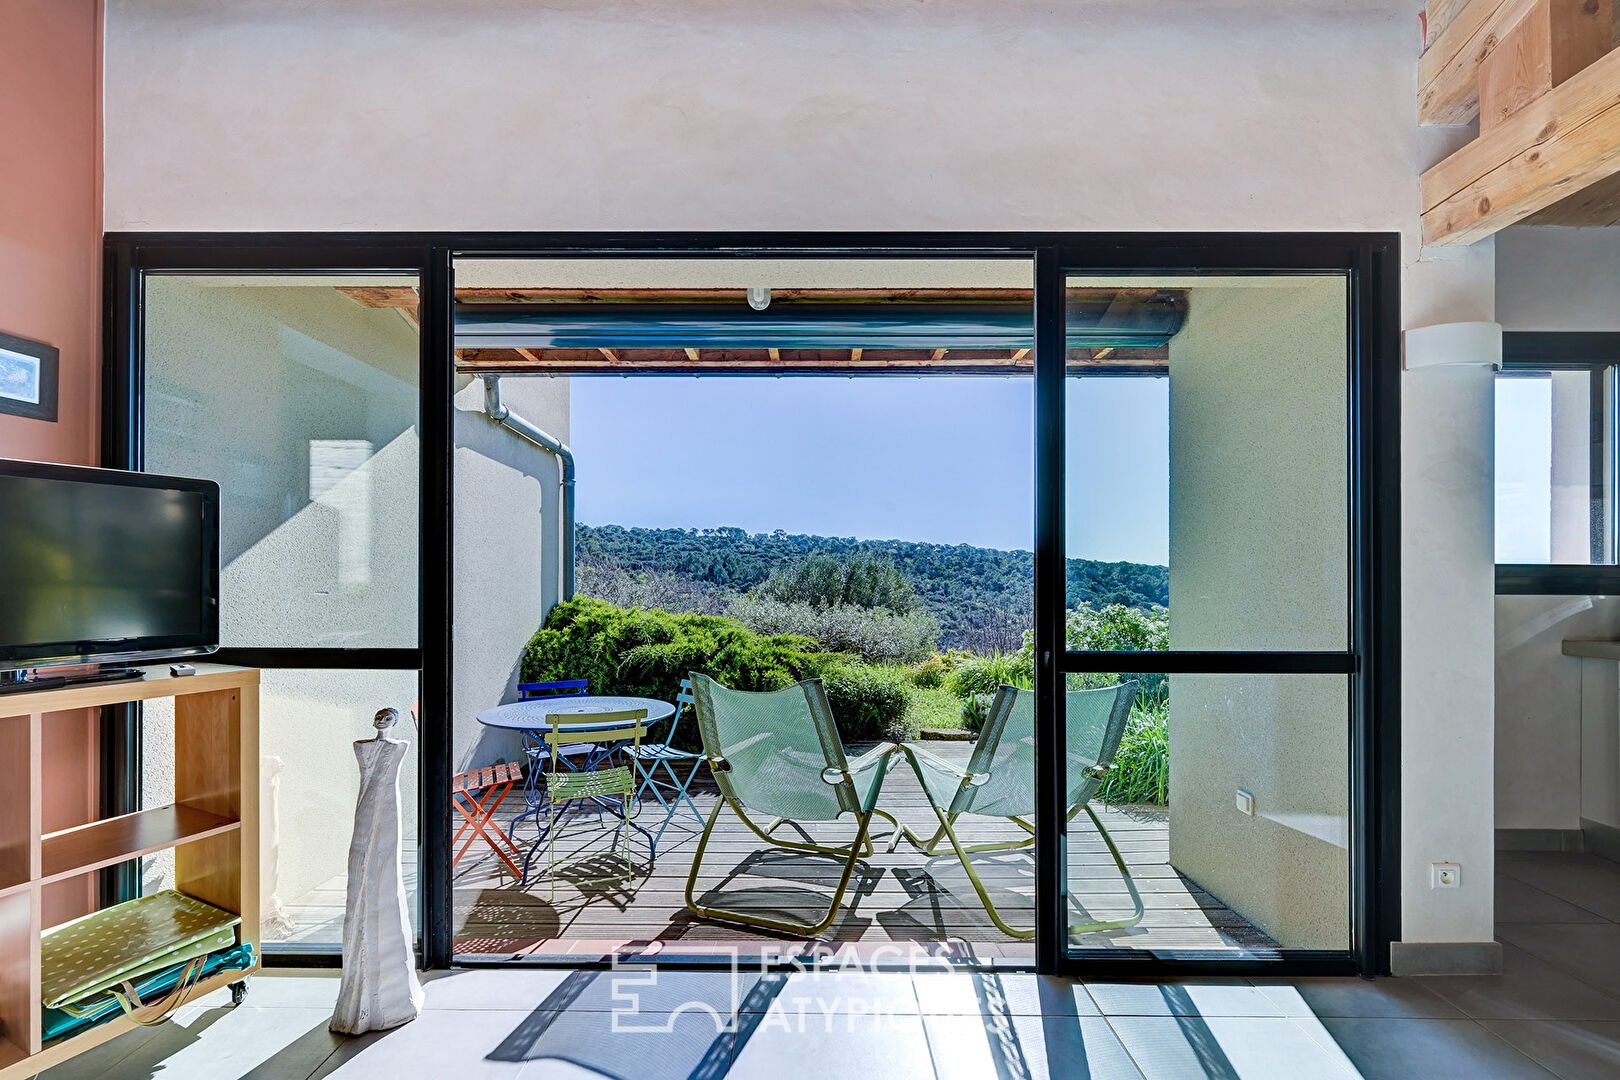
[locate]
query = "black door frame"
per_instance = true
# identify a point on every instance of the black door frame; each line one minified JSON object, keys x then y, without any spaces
{"x":1371,"y":263}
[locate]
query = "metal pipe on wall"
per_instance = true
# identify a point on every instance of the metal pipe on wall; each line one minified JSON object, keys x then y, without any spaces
{"x":497,"y":411}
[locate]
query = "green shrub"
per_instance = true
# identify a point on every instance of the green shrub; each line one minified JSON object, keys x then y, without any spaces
{"x":869,"y":702}
{"x":930,"y":673}
{"x":876,"y":635}
{"x":975,"y":709}
{"x":1113,"y":628}
{"x":982,"y":674}
{"x":646,"y":653}
{"x":1141,"y":772}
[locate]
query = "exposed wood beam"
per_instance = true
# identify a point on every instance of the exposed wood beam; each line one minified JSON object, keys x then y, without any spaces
{"x":855,"y":356}
{"x":612,"y":357}
{"x":774,"y":354}
{"x":529,"y":356}
{"x":939,"y":354}
{"x":1018,"y":354}
{"x":691,"y":354}
{"x":1598,"y":205}
{"x":1553,"y":41}
{"x":1448,"y":71}
{"x":1439,"y":15}
{"x":1564,"y":141}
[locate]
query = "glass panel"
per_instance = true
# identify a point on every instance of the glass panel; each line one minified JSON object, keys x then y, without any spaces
{"x":1555,"y":466}
{"x":301,"y":402}
{"x":308,"y":782}
{"x":1207,"y":463}
{"x":1249,"y":846}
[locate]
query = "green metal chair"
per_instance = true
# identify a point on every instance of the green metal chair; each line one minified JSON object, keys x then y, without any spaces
{"x":608,"y":788}
{"x":779,"y":753}
{"x":999,"y":781}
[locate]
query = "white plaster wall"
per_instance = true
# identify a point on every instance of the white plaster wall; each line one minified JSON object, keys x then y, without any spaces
{"x":847,"y":114}
{"x":1258,"y":560}
{"x":1558,"y":278}
{"x":507,"y":533}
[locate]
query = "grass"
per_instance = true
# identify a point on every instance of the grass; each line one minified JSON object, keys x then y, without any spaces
{"x":1141,"y":772}
{"x":934,"y":708}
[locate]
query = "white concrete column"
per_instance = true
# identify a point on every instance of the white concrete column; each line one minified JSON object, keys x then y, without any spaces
{"x":1448,"y":632}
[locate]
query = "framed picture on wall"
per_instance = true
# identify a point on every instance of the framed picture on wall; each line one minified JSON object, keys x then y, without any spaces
{"x":27,"y":378}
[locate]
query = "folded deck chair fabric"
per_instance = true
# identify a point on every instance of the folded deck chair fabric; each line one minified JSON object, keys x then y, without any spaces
{"x":778,"y":753}
{"x":107,"y":952}
{"x":999,"y":781}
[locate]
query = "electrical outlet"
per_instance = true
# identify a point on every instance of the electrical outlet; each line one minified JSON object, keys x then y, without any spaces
{"x":1245,"y":802}
{"x":1445,"y":875}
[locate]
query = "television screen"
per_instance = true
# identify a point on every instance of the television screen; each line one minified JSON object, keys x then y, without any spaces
{"x":100,"y":565}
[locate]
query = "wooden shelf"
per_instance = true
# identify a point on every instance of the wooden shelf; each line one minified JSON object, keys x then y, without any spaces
{"x":213,"y":829}
{"x":115,"y":840}
{"x":10,"y":1052}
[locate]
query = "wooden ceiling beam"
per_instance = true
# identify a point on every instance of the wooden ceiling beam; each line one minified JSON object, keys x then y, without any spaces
{"x":1448,"y":70}
{"x":1565,"y":140}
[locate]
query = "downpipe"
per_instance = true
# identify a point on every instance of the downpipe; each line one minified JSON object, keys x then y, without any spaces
{"x":497,"y":411}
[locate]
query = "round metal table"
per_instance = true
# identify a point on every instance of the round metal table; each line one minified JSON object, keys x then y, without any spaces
{"x":529,"y":718}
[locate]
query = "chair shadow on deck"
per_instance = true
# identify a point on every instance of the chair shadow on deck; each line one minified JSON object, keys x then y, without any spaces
{"x":792,"y":901}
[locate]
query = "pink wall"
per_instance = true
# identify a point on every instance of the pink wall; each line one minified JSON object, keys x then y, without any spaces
{"x":50,"y":212}
{"x":50,"y":291}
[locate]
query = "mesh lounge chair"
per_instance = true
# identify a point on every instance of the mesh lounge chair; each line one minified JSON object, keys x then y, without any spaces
{"x":779,"y":753}
{"x":999,"y":781}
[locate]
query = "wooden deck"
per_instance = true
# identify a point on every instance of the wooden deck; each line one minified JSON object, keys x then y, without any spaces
{"x":905,"y":902}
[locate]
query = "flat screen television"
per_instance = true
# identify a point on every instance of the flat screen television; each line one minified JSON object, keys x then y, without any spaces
{"x":98,"y":566}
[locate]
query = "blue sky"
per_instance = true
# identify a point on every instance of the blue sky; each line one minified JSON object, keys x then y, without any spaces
{"x":945,"y":460}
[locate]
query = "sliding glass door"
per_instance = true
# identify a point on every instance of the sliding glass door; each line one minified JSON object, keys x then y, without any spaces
{"x":1208,"y":743}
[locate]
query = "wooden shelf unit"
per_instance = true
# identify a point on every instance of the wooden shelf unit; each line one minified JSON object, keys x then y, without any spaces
{"x":213,"y":827}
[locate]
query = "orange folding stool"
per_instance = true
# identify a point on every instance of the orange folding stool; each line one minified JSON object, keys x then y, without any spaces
{"x":478,"y":810}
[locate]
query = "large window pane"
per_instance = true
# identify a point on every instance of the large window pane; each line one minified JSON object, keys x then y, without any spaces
{"x":1252,"y":848}
{"x":308,"y":782}
{"x":302,"y":404}
{"x":1555,"y":466}
{"x":1207,"y":463}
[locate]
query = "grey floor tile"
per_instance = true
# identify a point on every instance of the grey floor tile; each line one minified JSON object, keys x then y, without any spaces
{"x":441,"y":1043}
{"x":960,"y":993}
{"x":1229,"y":1048}
{"x":104,"y":1059}
{"x":1517,"y":901}
{"x":1431,"y":1049}
{"x":1574,"y":1049}
{"x":608,"y":1046}
{"x":1356,"y":997}
{"x":1201,"y":997}
{"x":1032,"y":1047}
{"x":1529,"y":988}
{"x":839,"y":991}
{"x":245,"y":1042}
{"x":1590,"y":952}
{"x":1583,"y":880}
{"x":506,"y":989}
{"x":834,"y":1046}
{"x":282,"y":988}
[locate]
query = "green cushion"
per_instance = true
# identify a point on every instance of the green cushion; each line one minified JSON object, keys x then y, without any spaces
{"x":90,"y":955}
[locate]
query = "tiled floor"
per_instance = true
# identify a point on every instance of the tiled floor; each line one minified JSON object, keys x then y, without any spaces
{"x":1555,"y":1011}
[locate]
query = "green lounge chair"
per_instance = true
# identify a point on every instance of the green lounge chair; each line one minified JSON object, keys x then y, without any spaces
{"x":779,"y":753}
{"x":999,"y":781}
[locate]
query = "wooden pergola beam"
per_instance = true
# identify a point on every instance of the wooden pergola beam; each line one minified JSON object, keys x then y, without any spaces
{"x":1562,"y":142}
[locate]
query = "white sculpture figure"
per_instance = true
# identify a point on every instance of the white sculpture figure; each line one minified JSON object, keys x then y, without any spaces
{"x":380,"y":989}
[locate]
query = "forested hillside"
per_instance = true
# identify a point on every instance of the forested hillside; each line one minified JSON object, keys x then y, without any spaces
{"x":980,"y":596}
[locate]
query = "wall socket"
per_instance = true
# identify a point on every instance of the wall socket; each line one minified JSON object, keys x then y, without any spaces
{"x":1445,"y":875}
{"x":1245,"y":802}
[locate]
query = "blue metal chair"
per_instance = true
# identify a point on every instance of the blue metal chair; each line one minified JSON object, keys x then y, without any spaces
{"x":650,"y":756}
